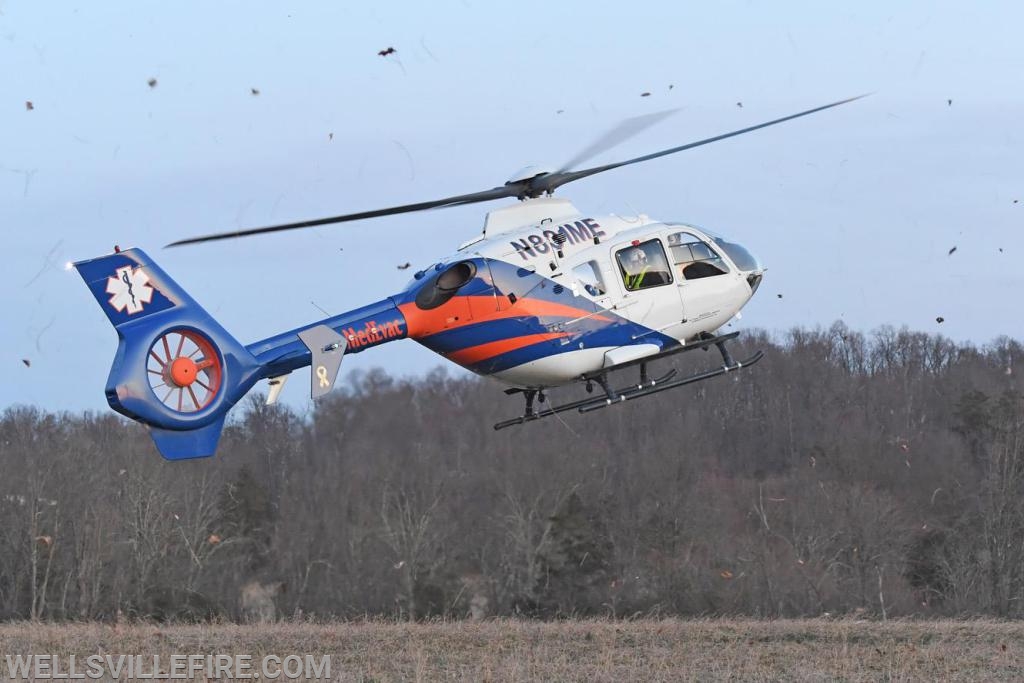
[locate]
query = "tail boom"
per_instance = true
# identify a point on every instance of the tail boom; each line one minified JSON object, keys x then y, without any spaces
{"x":361,"y":328}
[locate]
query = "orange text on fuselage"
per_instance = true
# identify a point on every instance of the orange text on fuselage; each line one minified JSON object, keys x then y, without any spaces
{"x":373,"y":333}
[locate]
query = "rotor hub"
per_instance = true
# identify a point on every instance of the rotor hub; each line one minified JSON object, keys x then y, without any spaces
{"x":183,"y":371}
{"x":529,"y":173}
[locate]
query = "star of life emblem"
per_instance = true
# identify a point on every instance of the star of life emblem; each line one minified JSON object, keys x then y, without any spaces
{"x":129,"y":289}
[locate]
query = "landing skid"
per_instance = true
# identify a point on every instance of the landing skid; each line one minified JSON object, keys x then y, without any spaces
{"x":644,"y":387}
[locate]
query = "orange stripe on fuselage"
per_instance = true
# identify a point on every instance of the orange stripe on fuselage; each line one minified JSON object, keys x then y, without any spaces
{"x":475,"y":354}
{"x":470,"y":310}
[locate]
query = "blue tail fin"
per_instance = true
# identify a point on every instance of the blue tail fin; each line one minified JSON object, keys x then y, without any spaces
{"x":176,"y":369}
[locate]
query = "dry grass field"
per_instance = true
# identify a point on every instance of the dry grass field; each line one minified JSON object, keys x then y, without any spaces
{"x":591,"y":650}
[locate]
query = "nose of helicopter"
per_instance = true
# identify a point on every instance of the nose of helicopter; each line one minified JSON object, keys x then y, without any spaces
{"x":748,"y":264}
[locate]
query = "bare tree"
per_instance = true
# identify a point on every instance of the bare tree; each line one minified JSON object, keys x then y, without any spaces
{"x":411,"y":531}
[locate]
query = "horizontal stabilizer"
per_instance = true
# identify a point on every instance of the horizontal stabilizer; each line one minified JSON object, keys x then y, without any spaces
{"x":327,"y":347}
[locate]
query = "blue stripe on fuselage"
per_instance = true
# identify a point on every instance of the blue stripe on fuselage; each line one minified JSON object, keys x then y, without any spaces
{"x":608,"y":336}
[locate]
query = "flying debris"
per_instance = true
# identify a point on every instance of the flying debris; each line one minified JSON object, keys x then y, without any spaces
{"x":151,"y":82}
{"x":779,"y":295}
{"x":254,"y":91}
{"x":43,"y":331}
{"x":330,"y":136}
{"x":949,"y":103}
{"x":951,"y":251}
{"x":645,"y":94}
{"x":29,"y":106}
{"x":940,"y":320}
{"x":1000,"y":250}
{"x":47,"y":263}
{"x":670,"y":86}
{"x":27,"y":362}
{"x":740,"y":105}
{"x":388,"y":51}
{"x":404,"y":266}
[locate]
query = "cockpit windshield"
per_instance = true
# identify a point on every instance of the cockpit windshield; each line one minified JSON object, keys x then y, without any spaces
{"x":739,"y":255}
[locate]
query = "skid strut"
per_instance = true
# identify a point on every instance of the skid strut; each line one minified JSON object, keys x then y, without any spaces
{"x":645,"y":387}
{"x":530,"y":395}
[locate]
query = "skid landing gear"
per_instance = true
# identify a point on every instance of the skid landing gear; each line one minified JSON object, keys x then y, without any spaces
{"x":644,"y":387}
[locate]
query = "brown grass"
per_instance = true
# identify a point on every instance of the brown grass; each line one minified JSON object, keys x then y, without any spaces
{"x":590,"y":650}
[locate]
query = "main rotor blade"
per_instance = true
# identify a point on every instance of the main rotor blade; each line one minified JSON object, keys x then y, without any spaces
{"x":616,"y":136}
{"x":548,"y":183}
{"x":521,"y":189}
{"x":458,"y":200}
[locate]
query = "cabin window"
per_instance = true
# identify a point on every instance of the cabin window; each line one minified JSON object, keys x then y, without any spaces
{"x":644,"y":265}
{"x":694,"y":258}
{"x":589,"y":276}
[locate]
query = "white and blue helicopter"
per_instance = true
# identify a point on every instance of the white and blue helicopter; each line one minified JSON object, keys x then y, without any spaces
{"x":546,"y":296}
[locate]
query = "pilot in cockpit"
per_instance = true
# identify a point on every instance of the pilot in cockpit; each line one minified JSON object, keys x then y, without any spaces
{"x":636,"y":267}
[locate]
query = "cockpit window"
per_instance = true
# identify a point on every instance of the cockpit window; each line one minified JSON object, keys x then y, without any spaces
{"x":644,"y":265}
{"x":694,"y":258}
{"x":743,"y":259}
{"x":589,"y":276}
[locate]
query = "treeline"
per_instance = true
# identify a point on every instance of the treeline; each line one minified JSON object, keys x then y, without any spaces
{"x":877,"y":474}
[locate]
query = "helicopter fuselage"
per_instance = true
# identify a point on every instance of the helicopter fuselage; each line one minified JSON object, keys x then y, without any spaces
{"x":548,"y":294}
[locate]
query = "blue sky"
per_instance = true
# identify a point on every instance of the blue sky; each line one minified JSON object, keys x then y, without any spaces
{"x":853,"y":210}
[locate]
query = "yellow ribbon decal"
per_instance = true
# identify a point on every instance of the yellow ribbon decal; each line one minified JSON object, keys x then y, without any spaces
{"x":321,"y":372}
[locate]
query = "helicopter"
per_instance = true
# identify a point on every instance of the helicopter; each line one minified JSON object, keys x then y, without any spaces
{"x":545,"y":296}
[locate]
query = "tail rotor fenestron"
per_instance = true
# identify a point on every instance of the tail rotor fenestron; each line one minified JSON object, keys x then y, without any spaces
{"x":185,"y":371}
